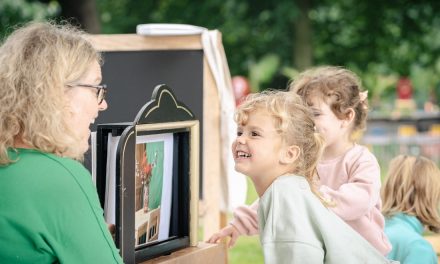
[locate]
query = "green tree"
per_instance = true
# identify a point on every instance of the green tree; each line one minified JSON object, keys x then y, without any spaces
{"x":84,"y":13}
{"x":375,"y":37}
{"x":250,"y":29}
{"x":13,"y":12}
{"x":272,"y":40}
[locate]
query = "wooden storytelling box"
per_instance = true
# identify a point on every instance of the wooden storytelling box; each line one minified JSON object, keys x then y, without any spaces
{"x":133,"y":66}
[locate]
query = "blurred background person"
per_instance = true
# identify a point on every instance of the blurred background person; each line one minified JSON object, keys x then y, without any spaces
{"x":411,"y":198}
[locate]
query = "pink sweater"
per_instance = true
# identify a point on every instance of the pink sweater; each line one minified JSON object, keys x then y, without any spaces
{"x":352,"y":181}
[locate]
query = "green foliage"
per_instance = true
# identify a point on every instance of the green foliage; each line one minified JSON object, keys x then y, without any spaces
{"x":380,"y":82}
{"x":380,"y":40}
{"x":263,"y":71}
{"x":13,"y":12}
{"x":250,"y":29}
{"x":398,"y":33}
{"x":384,"y":38}
{"x":424,"y":81}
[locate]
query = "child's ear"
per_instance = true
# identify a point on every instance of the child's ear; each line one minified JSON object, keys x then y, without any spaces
{"x":290,"y":154}
{"x":349,"y":117}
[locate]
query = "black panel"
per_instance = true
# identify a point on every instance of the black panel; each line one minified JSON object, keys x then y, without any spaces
{"x":131,"y":77}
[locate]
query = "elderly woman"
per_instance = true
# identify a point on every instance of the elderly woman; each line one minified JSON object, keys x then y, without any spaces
{"x":50,"y":93}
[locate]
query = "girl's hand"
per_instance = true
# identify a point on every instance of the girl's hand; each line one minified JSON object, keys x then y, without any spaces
{"x":228,"y":231}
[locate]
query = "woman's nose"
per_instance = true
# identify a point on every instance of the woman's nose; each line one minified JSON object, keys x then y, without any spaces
{"x":103,"y":105}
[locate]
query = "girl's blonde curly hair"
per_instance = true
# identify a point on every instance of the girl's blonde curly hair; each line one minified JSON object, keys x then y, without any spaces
{"x":294,"y":123}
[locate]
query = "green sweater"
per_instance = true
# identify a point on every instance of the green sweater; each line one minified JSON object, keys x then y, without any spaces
{"x":50,"y":212}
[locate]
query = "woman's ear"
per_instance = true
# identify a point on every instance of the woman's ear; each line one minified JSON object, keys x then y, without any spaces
{"x":290,"y":154}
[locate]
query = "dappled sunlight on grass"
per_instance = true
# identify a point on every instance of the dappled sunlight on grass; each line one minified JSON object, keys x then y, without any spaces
{"x":247,"y":250}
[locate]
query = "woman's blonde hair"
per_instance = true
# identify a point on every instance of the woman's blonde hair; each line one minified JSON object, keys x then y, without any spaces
{"x":294,"y":122}
{"x":412,"y":186}
{"x":36,"y":62}
{"x":338,"y":87}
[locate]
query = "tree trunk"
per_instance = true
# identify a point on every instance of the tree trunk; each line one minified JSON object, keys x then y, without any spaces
{"x":83,"y":12}
{"x":302,"y":48}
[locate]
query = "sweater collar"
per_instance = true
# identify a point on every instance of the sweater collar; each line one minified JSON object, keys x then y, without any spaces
{"x":411,"y":221}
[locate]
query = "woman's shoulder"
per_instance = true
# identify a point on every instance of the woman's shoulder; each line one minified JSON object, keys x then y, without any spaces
{"x":44,"y":158}
{"x":61,"y":163}
{"x":34,"y":173}
{"x":42,"y":166}
{"x":64,"y":162}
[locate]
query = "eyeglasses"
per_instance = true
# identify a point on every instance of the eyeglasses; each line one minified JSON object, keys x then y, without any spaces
{"x":100,"y":93}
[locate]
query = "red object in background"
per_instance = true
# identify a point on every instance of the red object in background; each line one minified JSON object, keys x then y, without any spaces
{"x":404,"y":88}
{"x":241,"y":88}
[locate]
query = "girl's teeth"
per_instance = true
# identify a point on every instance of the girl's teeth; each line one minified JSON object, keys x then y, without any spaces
{"x":243,"y":155}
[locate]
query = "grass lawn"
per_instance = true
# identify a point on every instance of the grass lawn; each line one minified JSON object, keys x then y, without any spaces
{"x":247,"y":250}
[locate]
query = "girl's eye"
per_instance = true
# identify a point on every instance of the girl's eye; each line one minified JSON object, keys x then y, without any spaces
{"x":316,"y":114}
{"x":254,"y":134}
{"x":239,"y":133}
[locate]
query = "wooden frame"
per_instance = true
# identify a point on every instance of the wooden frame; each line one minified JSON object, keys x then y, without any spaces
{"x":192,"y":127}
{"x":164,"y":114}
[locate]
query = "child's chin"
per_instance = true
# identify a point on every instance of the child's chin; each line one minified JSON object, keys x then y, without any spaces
{"x":242,"y":171}
{"x":239,"y":169}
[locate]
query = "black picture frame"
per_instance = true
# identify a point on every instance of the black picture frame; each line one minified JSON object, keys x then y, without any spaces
{"x":162,"y":114}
